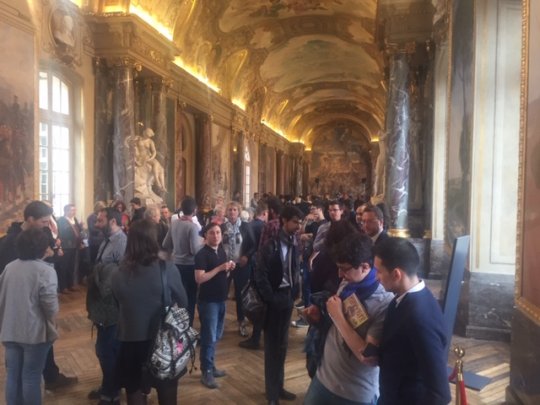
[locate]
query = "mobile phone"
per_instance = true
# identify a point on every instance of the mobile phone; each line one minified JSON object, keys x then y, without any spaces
{"x":370,"y":350}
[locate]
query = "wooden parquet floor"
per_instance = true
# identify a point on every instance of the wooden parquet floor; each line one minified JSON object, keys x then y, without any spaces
{"x":244,"y":383}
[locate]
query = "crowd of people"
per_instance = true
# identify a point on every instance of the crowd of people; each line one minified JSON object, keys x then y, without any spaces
{"x":375,"y":333}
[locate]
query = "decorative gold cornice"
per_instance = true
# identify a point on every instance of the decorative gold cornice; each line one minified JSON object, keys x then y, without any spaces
{"x":399,"y":232}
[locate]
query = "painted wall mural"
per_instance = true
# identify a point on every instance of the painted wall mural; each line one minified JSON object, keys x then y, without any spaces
{"x":337,"y":165}
{"x":461,"y":109}
{"x":221,"y":163}
{"x":16,"y":123}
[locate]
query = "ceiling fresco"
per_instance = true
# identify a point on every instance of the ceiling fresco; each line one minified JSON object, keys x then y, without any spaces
{"x":298,"y":66}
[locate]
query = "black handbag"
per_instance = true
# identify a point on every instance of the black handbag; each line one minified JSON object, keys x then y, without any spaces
{"x":252,"y":303}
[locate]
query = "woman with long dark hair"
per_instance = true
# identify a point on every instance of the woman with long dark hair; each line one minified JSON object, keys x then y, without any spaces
{"x":138,"y":289}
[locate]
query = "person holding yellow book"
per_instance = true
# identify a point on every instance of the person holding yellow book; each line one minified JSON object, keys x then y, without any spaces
{"x":348,"y":373}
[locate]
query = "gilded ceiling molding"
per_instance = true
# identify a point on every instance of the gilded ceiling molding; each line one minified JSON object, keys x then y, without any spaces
{"x":128,"y":35}
{"x":239,"y":122}
{"x":15,"y":14}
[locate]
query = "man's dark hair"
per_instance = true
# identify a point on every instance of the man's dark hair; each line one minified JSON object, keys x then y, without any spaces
{"x":290,"y":211}
{"x":188,"y":205}
{"x":375,"y":210}
{"x":113,"y":213}
{"x":274,"y":204}
{"x":37,"y":210}
{"x":136,"y":201}
{"x":31,"y":244}
{"x":354,"y":250}
{"x":335,"y":202}
{"x":211,"y":225}
{"x":261,"y":207}
{"x":398,"y":252}
{"x":318,"y":204}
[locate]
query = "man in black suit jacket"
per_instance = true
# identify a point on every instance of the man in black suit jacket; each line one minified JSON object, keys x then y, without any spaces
{"x":412,"y":355}
{"x":373,"y":224}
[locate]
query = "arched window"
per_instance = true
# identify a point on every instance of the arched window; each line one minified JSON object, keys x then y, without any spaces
{"x":247,"y":175}
{"x":56,"y":107}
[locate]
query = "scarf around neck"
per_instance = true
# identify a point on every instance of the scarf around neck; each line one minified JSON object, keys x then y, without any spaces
{"x":362,"y":289}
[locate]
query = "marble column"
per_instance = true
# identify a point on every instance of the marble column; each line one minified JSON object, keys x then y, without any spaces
{"x":159,"y":125}
{"x":179,"y":155}
{"x":306,"y":163}
{"x":103,"y":148}
{"x":428,"y":134}
{"x":279,"y":172}
{"x":396,"y":143}
{"x":124,"y":130}
{"x":203,"y":152}
{"x":297,"y":152}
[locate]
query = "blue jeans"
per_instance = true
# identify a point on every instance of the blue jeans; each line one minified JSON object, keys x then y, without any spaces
{"x":187,"y":273}
{"x":318,"y":394}
{"x":24,"y":365}
{"x":107,"y":349}
{"x":212,"y":317}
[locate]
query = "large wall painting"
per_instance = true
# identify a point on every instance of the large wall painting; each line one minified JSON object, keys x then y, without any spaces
{"x":337,"y":165}
{"x":16,"y":123}
{"x":528,"y":276}
{"x":221,"y":161}
{"x":460,"y":128}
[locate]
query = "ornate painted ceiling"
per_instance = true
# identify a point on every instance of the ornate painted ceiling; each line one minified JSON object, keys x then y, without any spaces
{"x":300,"y":66}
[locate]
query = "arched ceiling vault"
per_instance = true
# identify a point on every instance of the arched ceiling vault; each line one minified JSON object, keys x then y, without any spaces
{"x":302,"y":66}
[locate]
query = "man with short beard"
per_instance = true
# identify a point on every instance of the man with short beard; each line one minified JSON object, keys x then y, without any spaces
{"x":102,"y":309}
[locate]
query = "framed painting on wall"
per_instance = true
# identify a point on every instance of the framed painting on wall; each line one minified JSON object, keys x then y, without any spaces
{"x":528,"y":254}
{"x":17,"y":79}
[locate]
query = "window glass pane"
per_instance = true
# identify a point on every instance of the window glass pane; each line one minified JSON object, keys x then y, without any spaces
{"x":43,"y":91}
{"x":56,"y":98}
{"x":64,"y":98}
{"x":43,"y":134}
{"x":60,"y":137}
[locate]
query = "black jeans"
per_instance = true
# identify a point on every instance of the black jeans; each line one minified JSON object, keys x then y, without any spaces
{"x":240,"y":277}
{"x":276,"y":340}
{"x":187,"y":272}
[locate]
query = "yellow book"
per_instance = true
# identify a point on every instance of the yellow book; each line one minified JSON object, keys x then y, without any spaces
{"x":354,"y":311}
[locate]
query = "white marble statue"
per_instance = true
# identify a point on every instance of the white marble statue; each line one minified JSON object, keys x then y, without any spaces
{"x":149,"y":172}
{"x":63,"y":32}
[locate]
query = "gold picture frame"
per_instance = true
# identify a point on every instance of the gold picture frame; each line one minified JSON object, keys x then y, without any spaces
{"x":528,"y":235}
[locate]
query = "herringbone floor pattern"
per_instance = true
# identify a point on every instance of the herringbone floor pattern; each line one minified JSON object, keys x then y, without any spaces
{"x":244,"y":383}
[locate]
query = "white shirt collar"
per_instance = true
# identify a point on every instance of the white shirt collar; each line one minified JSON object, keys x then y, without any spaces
{"x":374,"y":238}
{"x":418,"y":287}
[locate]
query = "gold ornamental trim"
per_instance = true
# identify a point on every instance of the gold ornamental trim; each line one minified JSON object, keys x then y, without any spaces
{"x":399,"y":232}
